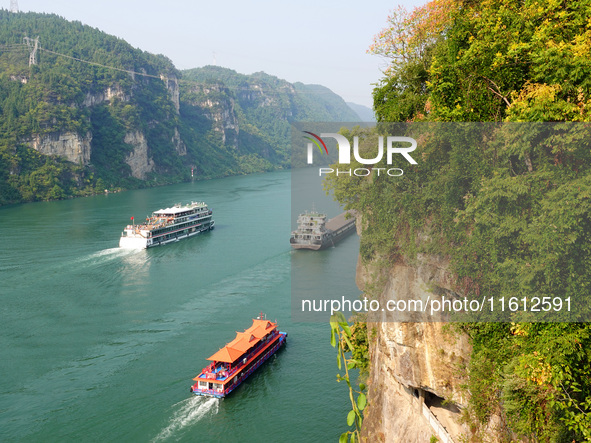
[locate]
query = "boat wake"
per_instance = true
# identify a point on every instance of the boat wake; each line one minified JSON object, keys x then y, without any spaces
{"x":102,"y":257}
{"x":106,"y":255}
{"x":190,"y":411}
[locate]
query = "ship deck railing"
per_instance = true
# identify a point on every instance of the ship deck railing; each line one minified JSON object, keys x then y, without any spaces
{"x":212,"y":392}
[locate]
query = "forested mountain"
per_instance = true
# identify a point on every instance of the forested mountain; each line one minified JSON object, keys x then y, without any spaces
{"x":94,"y":113}
{"x":252,"y":113}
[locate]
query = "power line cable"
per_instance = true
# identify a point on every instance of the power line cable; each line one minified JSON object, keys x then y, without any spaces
{"x":159,"y":77}
{"x":128,"y":71}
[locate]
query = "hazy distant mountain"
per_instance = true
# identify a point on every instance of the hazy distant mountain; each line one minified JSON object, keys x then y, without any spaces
{"x":365,"y":114}
{"x":323,"y":100}
{"x":128,"y":118}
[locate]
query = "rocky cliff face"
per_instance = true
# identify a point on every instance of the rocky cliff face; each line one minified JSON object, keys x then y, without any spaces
{"x":255,"y":96}
{"x":178,"y":143}
{"x":114,"y":91}
{"x":222,"y":106}
{"x":78,"y":149}
{"x":417,"y":368}
{"x":172,"y":84}
{"x":72,"y":147}
{"x":139,"y":160}
{"x":218,"y":107}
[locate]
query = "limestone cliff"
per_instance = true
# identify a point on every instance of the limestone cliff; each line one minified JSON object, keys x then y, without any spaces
{"x":112,"y":92}
{"x":178,"y":143}
{"x":217,"y":106}
{"x":139,"y":160}
{"x":71,"y":146}
{"x":417,"y":367}
{"x":172,"y":84}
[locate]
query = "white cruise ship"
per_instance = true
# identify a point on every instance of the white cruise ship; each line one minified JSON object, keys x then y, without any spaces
{"x":168,"y":225}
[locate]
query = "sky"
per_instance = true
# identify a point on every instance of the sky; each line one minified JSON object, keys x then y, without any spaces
{"x":310,"y":41}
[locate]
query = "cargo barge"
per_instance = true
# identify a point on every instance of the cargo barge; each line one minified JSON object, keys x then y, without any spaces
{"x":316,"y":233}
{"x":233,"y":363}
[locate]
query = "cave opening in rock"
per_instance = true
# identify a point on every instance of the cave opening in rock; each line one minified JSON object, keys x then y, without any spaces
{"x":434,"y":401}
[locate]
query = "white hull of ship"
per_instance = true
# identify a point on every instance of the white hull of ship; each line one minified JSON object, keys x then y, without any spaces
{"x":141,"y":242}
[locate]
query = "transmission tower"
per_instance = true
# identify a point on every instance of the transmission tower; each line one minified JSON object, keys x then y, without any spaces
{"x":33,"y":45}
{"x":13,"y":5}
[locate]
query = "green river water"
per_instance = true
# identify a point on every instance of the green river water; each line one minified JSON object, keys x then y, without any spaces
{"x":101,"y":344}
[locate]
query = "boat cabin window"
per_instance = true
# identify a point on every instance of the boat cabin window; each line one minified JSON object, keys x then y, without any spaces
{"x":203,"y":385}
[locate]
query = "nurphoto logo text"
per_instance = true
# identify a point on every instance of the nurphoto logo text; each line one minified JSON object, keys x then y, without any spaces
{"x":344,"y":149}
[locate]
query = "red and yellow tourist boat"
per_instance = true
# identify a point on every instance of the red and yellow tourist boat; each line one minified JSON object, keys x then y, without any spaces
{"x":233,"y":363}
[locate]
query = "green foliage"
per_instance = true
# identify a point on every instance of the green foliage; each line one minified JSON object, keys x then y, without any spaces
{"x":401,"y":96}
{"x":360,"y":342}
{"x":341,"y":338}
{"x":109,"y":149}
{"x":524,"y":61}
{"x":507,"y":204}
{"x":539,"y":371}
